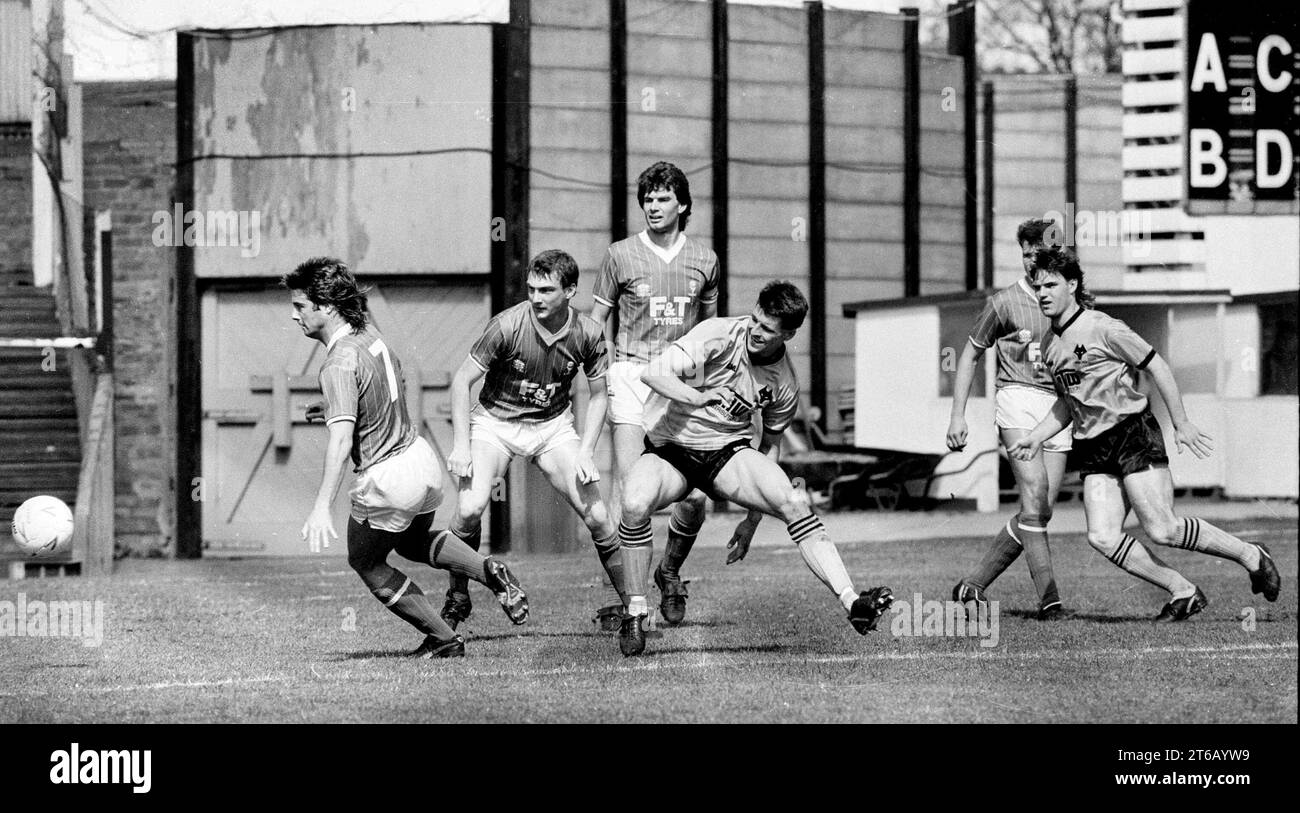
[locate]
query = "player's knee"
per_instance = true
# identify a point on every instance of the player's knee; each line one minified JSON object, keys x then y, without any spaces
{"x":1033,"y":495}
{"x":1105,"y":542}
{"x":1165,"y":530}
{"x":692,"y":505}
{"x":595,"y":517}
{"x":635,"y":508}
{"x":465,"y":525}
{"x":796,"y":506}
{"x":469,"y":509}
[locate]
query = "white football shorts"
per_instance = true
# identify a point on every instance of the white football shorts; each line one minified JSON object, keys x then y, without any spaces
{"x":627,"y":393}
{"x":526,"y":438}
{"x":1023,"y":408}
{"x":393,"y":492}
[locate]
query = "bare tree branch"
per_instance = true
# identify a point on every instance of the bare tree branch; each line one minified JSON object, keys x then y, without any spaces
{"x":1076,"y":35}
{"x":1008,"y":29}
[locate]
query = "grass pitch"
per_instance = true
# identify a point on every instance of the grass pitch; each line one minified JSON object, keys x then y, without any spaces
{"x":302,"y":641}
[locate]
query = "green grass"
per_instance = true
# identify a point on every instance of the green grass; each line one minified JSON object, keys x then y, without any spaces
{"x":268,"y":641}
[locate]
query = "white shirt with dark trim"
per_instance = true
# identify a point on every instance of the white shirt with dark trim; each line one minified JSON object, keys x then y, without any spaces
{"x":1096,"y":363}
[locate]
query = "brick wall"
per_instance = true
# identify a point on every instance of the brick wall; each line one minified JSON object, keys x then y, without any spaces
{"x":129,"y":149}
{"x":16,"y":199}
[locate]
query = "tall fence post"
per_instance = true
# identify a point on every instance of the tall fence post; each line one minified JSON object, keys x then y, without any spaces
{"x":721,"y":149}
{"x":961,"y":42}
{"x":817,"y":205}
{"x":988,"y":203}
{"x":617,"y":120}
{"x":189,"y":411}
{"x":1071,"y":148}
{"x":911,"y":153}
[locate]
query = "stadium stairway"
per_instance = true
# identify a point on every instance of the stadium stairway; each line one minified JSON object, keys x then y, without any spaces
{"x":39,"y":431}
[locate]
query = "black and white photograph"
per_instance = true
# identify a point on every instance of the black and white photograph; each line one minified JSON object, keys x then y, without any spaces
{"x":651,"y":362}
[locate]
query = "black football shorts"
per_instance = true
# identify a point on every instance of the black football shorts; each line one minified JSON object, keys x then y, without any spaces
{"x":700,"y":467}
{"x":1134,"y":444}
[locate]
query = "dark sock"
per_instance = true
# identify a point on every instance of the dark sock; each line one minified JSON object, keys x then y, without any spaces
{"x":1033,"y":533}
{"x":1004,"y":550}
{"x":459,"y":582}
{"x":407,"y":601}
{"x":678,"y":548}
{"x":449,"y":552}
{"x":611,"y":559}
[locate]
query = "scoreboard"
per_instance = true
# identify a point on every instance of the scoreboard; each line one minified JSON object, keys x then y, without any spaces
{"x":1243,"y":107}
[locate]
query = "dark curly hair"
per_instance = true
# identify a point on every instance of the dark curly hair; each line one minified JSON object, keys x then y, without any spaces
{"x":1064,"y":261}
{"x":329,"y":281}
{"x":663,"y":175}
{"x":780,"y":298}
{"x":1035,"y":231}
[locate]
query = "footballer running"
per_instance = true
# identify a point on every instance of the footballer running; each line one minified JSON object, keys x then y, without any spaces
{"x":708,"y":386}
{"x":655,"y":286}
{"x":529,"y":355}
{"x":399,"y":481}
{"x":1096,"y":362}
{"x":1012,"y":322}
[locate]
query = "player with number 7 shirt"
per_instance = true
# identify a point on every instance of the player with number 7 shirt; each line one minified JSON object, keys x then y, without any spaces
{"x":399,"y":481}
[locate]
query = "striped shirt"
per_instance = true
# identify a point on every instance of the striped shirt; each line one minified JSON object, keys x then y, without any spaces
{"x":362,"y":382}
{"x":716,"y":353}
{"x":659,"y":294}
{"x":1012,"y":320}
{"x":529,"y":369}
{"x":1096,"y":362}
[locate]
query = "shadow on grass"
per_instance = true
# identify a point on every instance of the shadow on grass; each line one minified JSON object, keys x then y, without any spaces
{"x":1071,"y":615}
{"x":531,"y":633}
{"x":651,"y":651}
{"x":1113,"y":619}
{"x":370,"y":654}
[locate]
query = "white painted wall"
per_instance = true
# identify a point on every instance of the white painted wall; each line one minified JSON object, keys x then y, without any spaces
{"x":897,"y":403}
{"x":1261,"y":437}
{"x":1250,"y":254}
{"x":1240,"y":351}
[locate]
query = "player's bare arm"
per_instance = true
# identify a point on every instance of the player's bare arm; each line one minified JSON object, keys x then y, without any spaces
{"x":664,"y":375}
{"x":459,"y":462}
{"x":318,"y":530}
{"x":966,"y":367}
{"x":1027,"y":447}
{"x":1185,"y":432}
{"x":597,"y":404}
{"x":600,"y":315}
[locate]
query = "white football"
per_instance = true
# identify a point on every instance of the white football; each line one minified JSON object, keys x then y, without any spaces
{"x":43,"y":525}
